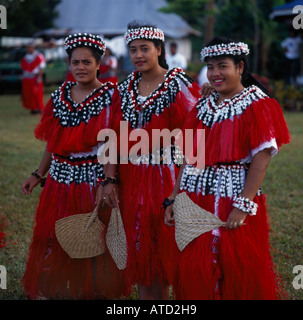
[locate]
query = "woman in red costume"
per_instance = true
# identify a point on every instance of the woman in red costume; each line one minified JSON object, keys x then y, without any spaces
{"x":74,"y":115}
{"x":151,"y":98}
{"x":32,"y":65}
{"x":108,"y":68}
{"x":244,"y":128}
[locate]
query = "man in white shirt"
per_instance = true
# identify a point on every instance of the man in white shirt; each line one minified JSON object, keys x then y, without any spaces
{"x":291,"y":47}
{"x":176,"y":59}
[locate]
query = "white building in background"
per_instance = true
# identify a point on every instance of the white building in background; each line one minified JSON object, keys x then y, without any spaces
{"x":110,"y":18}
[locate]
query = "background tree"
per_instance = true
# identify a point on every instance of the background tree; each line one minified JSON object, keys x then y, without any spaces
{"x":190,"y":10}
{"x":239,"y":20}
{"x":25,"y":17}
{"x":199,"y":14}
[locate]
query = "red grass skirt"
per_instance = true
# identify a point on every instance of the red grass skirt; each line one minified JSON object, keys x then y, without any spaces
{"x":233,"y":266}
{"x":49,"y":271}
{"x":32,"y":94}
{"x":151,"y":244}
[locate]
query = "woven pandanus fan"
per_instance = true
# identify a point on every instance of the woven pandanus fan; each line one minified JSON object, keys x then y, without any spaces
{"x":116,"y":239}
{"x":191,"y":220}
{"x":81,"y":235}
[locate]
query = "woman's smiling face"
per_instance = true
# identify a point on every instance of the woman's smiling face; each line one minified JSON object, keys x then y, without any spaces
{"x":224,"y":75}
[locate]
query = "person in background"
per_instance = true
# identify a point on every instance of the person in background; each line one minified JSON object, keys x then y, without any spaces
{"x":176,"y":59}
{"x":202,"y":77}
{"x":33,"y":64}
{"x":291,"y":47}
{"x":69,"y":76}
{"x":108,"y":68}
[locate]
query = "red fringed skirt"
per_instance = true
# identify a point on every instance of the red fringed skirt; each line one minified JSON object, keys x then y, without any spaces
{"x":151,"y":244}
{"x":32,"y":94}
{"x":232,"y":265}
{"x":50,"y":272}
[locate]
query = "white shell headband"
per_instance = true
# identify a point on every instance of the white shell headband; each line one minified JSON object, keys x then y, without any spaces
{"x":148,"y":33}
{"x":84,"y":40}
{"x":232,"y":48}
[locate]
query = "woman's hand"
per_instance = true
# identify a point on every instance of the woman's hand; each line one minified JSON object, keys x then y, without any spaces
{"x":235,"y":219}
{"x":206,"y":90}
{"x":169,"y":219}
{"x":110,"y":195}
{"x":254,"y":179}
{"x":29,"y":184}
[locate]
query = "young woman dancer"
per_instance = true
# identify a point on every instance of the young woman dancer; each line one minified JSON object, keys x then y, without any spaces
{"x":151,"y":98}
{"x":74,"y":115}
{"x":244,"y":128}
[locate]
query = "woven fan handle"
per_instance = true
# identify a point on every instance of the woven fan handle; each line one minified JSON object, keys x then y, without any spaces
{"x":92,"y":218}
{"x":116,"y":212}
{"x":116,"y":198}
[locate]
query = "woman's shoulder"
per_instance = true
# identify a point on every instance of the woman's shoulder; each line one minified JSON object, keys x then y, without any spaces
{"x":66,"y":85}
{"x":255,"y":92}
{"x":179,"y":74}
{"x":123,"y":83}
{"x":108,"y":86}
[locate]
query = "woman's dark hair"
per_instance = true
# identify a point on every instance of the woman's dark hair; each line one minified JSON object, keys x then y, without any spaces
{"x":161,"y":59}
{"x":236,"y":59}
{"x":94,"y":52}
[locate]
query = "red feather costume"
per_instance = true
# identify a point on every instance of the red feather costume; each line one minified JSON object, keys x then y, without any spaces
{"x":230,"y":264}
{"x":71,"y":130}
{"x":144,"y":185}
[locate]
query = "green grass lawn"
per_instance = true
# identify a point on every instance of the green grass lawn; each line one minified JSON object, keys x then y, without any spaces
{"x":20,"y":154}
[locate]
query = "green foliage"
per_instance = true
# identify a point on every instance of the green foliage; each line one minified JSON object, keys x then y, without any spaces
{"x":235,"y":20}
{"x":26,"y":17}
{"x":189,"y":10}
{"x":290,"y":97}
{"x":239,"y":20}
